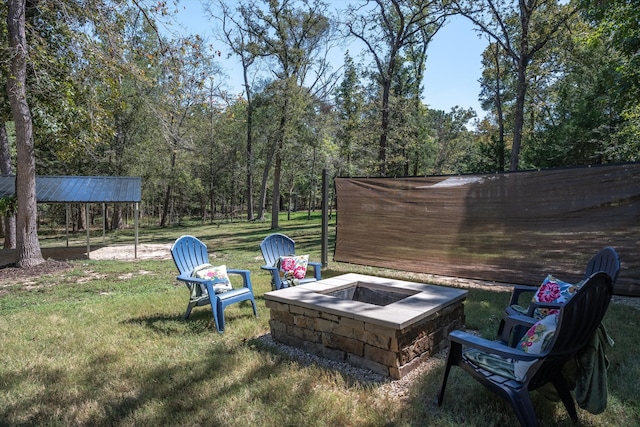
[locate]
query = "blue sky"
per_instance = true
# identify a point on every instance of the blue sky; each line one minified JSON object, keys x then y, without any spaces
{"x":453,"y":63}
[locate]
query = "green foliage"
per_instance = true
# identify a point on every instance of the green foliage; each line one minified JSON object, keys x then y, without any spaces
{"x":396,"y":40}
{"x":627,"y":145}
{"x":451,"y":140}
{"x":583,"y":115}
{"x":112,"y":93}
{"x":8,"y":206}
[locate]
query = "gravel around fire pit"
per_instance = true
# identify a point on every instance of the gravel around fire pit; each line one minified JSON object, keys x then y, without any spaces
{"x":398,"y":389}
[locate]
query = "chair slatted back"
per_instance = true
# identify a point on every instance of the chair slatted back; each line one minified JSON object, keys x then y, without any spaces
{"x":188,"y":252}
{"x":606,"y":260}
{"x":578,"y":321}
{"x":276,"y":245}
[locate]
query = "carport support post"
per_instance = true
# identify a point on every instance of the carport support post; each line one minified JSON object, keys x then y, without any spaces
{"x":136,"y":213}
{"x":104,"y":220}
{"x":86,"y":224}
{"x":66,"y":230}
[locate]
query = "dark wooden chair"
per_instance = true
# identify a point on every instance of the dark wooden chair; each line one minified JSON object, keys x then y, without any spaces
{"x":273,"y":247}
{"x":606,"y":260}
{"x":577,"y":322}
{"x":189,"y":253}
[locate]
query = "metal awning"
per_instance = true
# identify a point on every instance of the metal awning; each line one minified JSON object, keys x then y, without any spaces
{"x":83,"y":189}
{"x":80,"y":189}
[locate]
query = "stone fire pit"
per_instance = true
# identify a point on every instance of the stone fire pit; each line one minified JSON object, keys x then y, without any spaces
{"x":385,"y":325}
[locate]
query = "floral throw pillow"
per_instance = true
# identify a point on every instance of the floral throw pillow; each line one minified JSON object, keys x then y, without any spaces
{"x":209,"y":272}
{"x":554,"y":290}
{"x":535,"y":341}
{"x":293,"y":267}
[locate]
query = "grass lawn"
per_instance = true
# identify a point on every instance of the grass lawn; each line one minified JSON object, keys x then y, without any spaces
{"x":105,"y":344}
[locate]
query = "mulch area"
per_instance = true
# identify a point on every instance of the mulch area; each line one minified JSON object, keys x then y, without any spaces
{"x":11,"y":273}
{"x":55,"y":261}
{"x":56,"y":258}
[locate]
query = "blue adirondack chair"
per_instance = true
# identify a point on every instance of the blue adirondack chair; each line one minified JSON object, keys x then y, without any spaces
{"x":273,"y":247}
{"x":189,"y":253}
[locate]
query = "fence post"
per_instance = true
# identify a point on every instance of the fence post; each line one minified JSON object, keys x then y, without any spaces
{"x":325,"y":218}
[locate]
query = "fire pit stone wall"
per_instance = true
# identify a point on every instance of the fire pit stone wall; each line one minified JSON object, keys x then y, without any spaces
{"x":390,"y":340}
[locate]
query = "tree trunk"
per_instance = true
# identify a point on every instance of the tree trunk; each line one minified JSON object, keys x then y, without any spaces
{"x":275,"y":207}
{"x":519,"y":114}
{"x":384,"y":131}
{"x":275,"y":201}
{"x":262,"y":203}
{"x":212,"y":202}
{"x":249,"y":144}
{"x":167,"y":194}
{"x":234,"y":191}
{"x":116,"y":219}
{"x":500,"y":113}
{"x":5,"y":169}
{"x":28,"y":251}
{"x":82,"y":215}
{"x":312,"y":187}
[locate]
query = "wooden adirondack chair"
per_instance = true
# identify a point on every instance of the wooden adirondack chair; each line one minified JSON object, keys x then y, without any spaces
{"x":189,"y":254}
{"x":607,"y":260}
{"x":577,"y":323}
{"x":273,"y":247}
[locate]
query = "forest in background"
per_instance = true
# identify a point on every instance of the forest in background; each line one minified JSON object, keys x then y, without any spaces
{"x":111,"y":94}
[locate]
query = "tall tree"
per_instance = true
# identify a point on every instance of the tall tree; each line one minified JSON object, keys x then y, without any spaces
{"x":349,"y":104}
{"x":521,"y":30}
{"x":181,"y":88}
{"x":241,"y":43}
{"x":451,"y":137}
{"x":386,"y":28}
{"x":294,"y":39}
{"x":618,"y":26}
{"x":580,"y":102}
{"x":9,"y":221}
{"x":494,"y":95}
{"x":28,"y":251}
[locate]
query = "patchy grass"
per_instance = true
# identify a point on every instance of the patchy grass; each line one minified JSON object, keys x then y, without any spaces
{"x":105,"y":344}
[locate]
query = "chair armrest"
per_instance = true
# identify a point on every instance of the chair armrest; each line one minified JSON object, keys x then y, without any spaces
{"x":521,"y":320}
{"x":516,"y":325}
{"x":317,"y":269}
{"x":492,"y":347}
{"x":548,"y":305}
{"x":191,"y":283}
{"x":269,"y":268}
{"x":189,"y":279}
{"x":519,"y":290}
{"x":246,"y":277}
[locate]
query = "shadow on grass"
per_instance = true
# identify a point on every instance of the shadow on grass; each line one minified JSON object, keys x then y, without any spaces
{"x":193,"y":393}
{"x":198,"y":323}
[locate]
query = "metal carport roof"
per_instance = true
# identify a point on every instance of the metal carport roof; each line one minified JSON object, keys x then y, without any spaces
{"x":80,"y":189}
{"x":83,"y":189}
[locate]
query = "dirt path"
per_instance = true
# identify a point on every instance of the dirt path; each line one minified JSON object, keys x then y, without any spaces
{"x":98,"y":252}
{"x":56,"y":258}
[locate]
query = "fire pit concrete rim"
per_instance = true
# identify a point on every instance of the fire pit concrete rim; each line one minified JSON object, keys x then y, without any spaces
{"x":422,"y":300}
